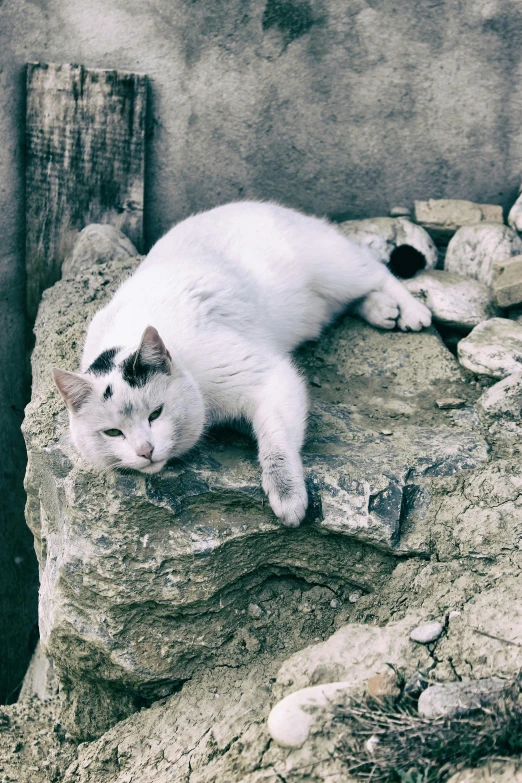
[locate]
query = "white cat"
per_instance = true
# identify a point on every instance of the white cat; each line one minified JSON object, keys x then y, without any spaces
{"x":202,"y":332}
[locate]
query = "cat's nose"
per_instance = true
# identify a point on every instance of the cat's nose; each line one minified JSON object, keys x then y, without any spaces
{"x":145,"y":451}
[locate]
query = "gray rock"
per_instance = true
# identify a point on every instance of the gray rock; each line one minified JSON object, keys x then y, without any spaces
{"x":384,"y":234}
{"x":515,"y":215}
{"x":144,"y":579}
{"x":457,"y":698}
{"x":443,"y":217}
{"x":504,"y":399}
{"x":97,"y":244}
{"x":454,"y":300}
{"x":493,"y":348}
{"x":474,"y":250}
{"x":427,"y":632}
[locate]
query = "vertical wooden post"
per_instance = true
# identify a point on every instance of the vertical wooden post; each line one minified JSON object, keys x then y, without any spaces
{"x":85,"y":139}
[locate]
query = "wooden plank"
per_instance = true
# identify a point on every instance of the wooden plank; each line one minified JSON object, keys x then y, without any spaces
{"x":85,"y":160}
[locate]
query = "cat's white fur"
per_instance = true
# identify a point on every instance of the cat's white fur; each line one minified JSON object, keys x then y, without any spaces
{"x":231,"y":292}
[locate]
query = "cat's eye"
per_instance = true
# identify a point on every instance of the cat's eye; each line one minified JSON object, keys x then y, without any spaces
{"x":113,"y":433}
{"x":156,"y":413}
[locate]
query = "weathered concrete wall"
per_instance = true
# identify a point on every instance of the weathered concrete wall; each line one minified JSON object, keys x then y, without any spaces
{"x":338,"y":106}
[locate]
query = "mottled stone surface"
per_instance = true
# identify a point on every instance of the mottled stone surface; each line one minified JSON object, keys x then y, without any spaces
{"x":454,"y":300}
{"x":493,"y":348}
{"x":474,"y":250}
{"x":145,"y":578}
{"x":384,"y":234}
{"x":195,"y":737}
{"x":215,"y":729}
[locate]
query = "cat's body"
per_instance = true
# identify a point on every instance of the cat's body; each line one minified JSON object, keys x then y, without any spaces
{"x":231,"y":292}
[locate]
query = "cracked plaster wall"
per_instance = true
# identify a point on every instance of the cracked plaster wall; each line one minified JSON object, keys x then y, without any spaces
{"x":336,"y":107}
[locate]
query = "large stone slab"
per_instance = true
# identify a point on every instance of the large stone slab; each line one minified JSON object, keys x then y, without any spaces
{"x":143,"y":579}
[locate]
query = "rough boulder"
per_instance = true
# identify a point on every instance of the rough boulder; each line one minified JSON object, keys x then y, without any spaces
{"x":144,"y":580}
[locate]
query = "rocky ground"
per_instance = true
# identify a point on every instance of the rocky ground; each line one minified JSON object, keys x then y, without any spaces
{"x":33,"y":744}
{"x":179,"y":613}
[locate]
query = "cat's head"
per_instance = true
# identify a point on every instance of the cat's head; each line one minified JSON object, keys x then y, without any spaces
{"x":133,"y":411}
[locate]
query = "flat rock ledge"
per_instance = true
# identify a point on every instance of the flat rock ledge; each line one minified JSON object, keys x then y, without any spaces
{"x":146,"y":579}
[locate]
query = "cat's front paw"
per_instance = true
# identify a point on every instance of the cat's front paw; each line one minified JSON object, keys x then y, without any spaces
{"x":288,"y":497}
{"x":414,"y":317}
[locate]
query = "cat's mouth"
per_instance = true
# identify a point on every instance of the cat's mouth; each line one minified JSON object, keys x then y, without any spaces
{"x":153,"y":467}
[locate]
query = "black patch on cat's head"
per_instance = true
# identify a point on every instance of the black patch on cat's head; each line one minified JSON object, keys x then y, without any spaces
{"x":107,"y":394}
{"x":127,"y":409}
{"x":137,"y":373}
{"x":405,"y":261}
{"x":104,"y":363}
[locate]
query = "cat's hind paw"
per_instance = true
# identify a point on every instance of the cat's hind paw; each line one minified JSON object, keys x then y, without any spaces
{"x":379,"y":309}
{"x":414,"y":317}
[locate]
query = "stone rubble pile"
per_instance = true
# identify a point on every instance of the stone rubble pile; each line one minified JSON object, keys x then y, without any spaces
{"x":194,"y":638}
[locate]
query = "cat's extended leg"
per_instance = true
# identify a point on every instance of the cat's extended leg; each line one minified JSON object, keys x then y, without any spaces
{"x":349,"y":274}
{"x":278,"y":417}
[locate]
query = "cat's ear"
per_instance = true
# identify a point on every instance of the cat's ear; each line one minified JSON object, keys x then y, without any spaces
{"x":152,"y":350}
{"x":74,"y":388}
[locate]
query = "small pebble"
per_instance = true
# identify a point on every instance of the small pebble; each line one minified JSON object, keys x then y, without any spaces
{"x":315,"y":381}
{"x":254,"y":611}
{"x":427,"y":632}
{"x":449,"y":403}
{"x":386,"y":432}
{"x":400,"y":212}
{"x":453,"y":614}
{"x":305,"y":608}
{"x":334,"y":603}
{"x":354,"y":597}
